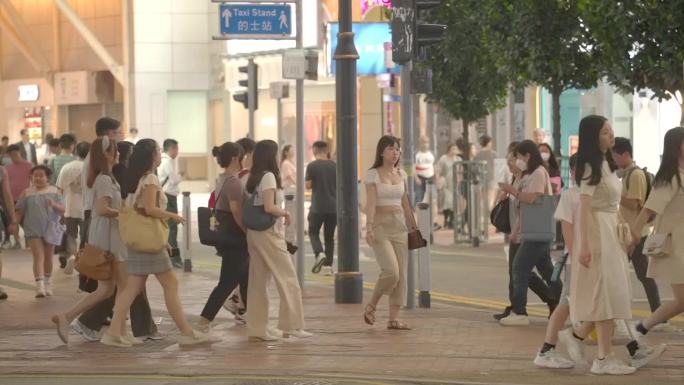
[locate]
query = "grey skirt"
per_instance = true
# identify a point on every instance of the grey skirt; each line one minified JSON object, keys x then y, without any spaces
{"x":148,"y":263}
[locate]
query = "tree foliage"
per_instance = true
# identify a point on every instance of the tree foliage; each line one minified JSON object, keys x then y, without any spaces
{"x":640,"y":43}
{"x":546,"y":42}
{"x":466,"y":79}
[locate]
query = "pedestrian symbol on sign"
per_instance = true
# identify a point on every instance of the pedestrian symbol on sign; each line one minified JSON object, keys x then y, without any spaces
{"x":283,"y":20}
{"x":226,"y":17}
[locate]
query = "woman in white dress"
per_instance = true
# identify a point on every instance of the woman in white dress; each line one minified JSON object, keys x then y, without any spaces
{"x":445,"y":182}
{"x":599,"y":292}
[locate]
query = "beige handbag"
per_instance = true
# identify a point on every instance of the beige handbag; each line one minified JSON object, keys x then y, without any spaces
{"x":141,"y":232}
{"x":658,"y":245}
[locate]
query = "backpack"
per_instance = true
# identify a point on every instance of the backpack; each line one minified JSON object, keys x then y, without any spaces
{"x":649,"y":179}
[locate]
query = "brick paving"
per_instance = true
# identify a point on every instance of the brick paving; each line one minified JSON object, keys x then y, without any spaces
{"x":449,"y":343}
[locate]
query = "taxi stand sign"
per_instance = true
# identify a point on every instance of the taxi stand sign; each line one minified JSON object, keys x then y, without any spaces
{"x":255,"y":20}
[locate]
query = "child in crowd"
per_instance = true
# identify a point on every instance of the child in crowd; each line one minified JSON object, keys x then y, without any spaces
{"x":37,"y":206}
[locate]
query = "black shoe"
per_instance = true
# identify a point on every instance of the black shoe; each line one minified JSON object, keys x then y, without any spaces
{"x":292,"y":249}
{"x":62,"y":261}
{"x":505,"y":313}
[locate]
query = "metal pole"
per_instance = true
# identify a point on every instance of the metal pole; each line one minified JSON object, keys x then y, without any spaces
{"x":407,"y":160}
{"x":251,"y":105}
{"x":348,"y":280}
{"x":300,"y":158}
{"x":281,"y":138}
{"x":424,"y":254}
{"x":187,"y":232}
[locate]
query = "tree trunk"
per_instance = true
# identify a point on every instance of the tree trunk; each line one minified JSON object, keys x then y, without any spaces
{"x":466,"y":140}
{"x":555,"y":105}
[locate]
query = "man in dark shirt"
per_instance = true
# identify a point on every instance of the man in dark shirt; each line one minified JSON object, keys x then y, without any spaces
{"x":321,"y":178}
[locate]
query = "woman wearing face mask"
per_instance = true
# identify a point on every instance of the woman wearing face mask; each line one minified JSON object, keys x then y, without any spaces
{"x":536,"y":283}
{"x":535,"y":183}
{"x":552,"y":166}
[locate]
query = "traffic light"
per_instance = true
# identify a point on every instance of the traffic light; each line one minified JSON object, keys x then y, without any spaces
{"x":251,"y":95}
{"x":409,"y":32}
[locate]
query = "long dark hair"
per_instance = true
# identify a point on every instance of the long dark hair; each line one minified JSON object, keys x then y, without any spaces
{"x":553,"y":166}
{"x":384,"y":142}
{"x":528,"y":147}
{"x":285,"y":152}
{"x":226,"y":152}
{"x":125,"y":148}
{"x":140,"y":163}
{"x":669,"y":166}
{"x":98,"y":160}
{"x":589,"y":150}
{"x":265,"y":159}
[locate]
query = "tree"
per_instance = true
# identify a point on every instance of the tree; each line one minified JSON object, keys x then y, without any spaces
{"x":545,"y":42}
{"x":640,"y":44}
{"x":466,"y":80}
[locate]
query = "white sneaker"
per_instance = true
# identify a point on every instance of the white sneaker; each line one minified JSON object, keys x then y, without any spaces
{"x":327,"y":271}
{"x":48,"y":288}
{"x":40,"y":289}
{"x":203,"y":327}
{"x":575,"y":347}
{"x":645,"y":354}
{"x":514,"y":319}
{"x":611,"y":365}
{"x":275,"y":332}
{"x":116,"y":341}
{"x":87,"y":333}
{"x":552,"y":360}
{"x":299,"y":333}
{"x":232,"y":304}
{"x":196,"y":338}
{"x":69,"y":268}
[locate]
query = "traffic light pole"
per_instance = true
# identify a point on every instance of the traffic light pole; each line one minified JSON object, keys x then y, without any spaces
{"x":301,"y":149}
{"x":406,"y":107}
{"x":251,"y":104}
{"x":348,"y":280}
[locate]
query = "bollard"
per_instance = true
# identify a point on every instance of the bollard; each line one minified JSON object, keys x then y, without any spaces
{"x":290,"y":231}
{"x":187,"y":232}
{"x":424,"y":256}
{"x":474,"y":210}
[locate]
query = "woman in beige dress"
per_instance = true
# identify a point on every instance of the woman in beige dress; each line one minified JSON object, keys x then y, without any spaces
{"x":666,"y":204}
{"x":599,"y":292}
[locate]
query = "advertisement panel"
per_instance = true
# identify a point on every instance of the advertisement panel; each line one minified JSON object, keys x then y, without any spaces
{"x":369,"y":39}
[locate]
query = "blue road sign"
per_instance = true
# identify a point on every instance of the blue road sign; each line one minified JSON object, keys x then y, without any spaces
{"x":252,"y":20}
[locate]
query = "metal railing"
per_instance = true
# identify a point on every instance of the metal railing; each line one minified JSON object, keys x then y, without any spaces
{"x":471,"y":205}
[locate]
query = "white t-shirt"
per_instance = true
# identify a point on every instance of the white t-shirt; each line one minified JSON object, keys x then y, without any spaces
{"x":425,"y":164}
{"x":568,"y":210}
{"x":268,"y":182}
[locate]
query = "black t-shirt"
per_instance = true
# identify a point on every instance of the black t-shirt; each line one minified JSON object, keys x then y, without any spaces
{"x":323,"y":177}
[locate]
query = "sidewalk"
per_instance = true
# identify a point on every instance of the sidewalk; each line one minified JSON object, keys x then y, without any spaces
{"x":449,"y":343}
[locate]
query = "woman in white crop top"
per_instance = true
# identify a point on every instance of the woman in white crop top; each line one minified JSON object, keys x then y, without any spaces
{"x":388,"y":215}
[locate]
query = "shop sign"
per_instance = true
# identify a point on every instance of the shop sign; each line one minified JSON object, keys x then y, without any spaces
{"x":28,"y":93}
{"x":573,"y":144}
{"x":368,"y":4}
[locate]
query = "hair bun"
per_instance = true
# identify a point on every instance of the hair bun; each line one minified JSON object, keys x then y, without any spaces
{"x":215,"y":151}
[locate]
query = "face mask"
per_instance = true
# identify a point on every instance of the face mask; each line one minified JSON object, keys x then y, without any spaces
{"x":521,"y":164}
{"x":545,"y":156}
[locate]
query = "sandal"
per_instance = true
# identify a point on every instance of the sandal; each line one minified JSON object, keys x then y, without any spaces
{"x":396,"y":325}
{"x":369,"y":314}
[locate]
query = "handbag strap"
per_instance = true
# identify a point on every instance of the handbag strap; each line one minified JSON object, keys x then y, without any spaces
{"x":109,"y":221}
{"x":218,"y":196}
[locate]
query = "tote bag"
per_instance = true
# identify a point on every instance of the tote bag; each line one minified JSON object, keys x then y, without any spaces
{"x":536,"y":219}
{"x":55,"y":229}
{"x":141,"y":232}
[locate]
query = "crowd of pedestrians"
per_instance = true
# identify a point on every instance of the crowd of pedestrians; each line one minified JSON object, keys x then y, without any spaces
{"x":611,"y":213}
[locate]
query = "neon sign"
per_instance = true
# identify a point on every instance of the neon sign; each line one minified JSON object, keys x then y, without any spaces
{"x":367,"y":4}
